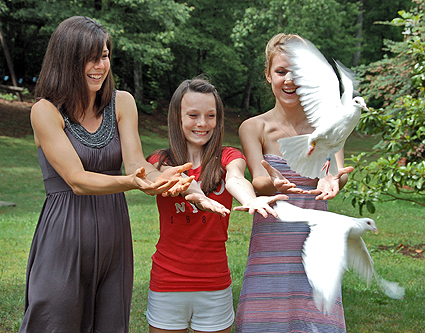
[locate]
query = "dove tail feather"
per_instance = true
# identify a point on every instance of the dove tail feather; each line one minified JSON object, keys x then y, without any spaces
{"x":391,"y":289}
{"x":295,"y":152}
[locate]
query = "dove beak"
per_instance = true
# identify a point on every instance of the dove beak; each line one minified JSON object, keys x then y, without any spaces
{"x":375,"y":231}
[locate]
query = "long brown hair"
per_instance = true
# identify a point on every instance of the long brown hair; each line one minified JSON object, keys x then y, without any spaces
{"x":211,"y":170}
{"x":76,"y":41}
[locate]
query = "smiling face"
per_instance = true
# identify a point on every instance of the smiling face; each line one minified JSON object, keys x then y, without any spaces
{"x":281,"y":81}
{"x":198,"y":118}
{"x":96,"y":71}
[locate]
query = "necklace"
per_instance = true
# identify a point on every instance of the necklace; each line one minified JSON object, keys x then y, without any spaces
{"x":289,"y":135}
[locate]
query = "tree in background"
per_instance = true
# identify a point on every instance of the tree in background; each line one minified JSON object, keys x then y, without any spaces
{"x":27,"y":26}
{"x":374,"y":35}
{"x":143,"y":31}
{"x":202,"y":45}
{"x":396,"y":84}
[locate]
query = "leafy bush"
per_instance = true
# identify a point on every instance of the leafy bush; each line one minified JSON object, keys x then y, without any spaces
{"x":396,"y":87}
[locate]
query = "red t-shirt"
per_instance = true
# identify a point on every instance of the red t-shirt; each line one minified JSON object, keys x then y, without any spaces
{"x":191,"y":252}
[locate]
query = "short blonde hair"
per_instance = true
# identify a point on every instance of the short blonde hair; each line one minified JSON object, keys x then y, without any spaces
{"x":277,"y":45}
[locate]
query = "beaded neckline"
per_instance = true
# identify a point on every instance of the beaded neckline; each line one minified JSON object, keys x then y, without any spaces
{"x":103,"y":134}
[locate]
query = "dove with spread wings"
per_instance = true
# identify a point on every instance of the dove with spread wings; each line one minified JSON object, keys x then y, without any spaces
{"x":333,"y":116}
{"x":333,"y":246}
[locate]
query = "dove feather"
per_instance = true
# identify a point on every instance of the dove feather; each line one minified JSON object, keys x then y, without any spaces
{"x":359,"y":259}
{"x":316,"y":77}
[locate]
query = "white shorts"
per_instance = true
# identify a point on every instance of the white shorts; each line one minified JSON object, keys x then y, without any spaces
{"x":207,"y":311}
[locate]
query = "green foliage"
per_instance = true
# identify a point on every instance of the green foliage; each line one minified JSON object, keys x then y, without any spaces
{"x":399,"y":172}
{"x":327,"y":23}
{"x":374,"y":35}
{"x":159,"y":43}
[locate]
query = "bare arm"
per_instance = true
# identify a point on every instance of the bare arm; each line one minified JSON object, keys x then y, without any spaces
{"x":241,"y":189}
{"x":250,"y":134}
{"x":48,"y":126}
{"x":49,"y":134}
{"x":196,"y":196}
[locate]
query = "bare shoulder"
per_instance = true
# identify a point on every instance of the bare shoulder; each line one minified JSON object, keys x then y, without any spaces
{"x":45,"y":119}
{"x":124,"y":104}
{"x":45,"y":112}
{"x":254,"y":124}
{"x":123,"y":98}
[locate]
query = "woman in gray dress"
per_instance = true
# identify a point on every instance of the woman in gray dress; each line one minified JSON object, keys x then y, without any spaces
{"x":80,"y":267}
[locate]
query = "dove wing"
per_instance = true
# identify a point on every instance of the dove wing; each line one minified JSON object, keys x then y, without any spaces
{"x":359,"y":259}
{"x":348,"y":82}
{"x":325,"y":259}
{"x":318,"y":84}
{"x":324,"y":252}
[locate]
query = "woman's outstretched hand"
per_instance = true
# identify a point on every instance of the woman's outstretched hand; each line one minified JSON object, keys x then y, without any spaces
{"x":204,"y":203}
{"x":281,"y":183}
{"x":329,"y":186}
{"x":170,"y":182}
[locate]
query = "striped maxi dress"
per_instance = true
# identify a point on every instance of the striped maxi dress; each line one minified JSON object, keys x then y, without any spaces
{"x":276,"y":295}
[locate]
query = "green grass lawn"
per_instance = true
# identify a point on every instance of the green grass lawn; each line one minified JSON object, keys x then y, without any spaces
{"x":367,"y":309}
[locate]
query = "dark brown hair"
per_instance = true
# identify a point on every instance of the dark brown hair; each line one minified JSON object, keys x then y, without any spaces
{"x":76,"y":41}
{"x":211,"y":170}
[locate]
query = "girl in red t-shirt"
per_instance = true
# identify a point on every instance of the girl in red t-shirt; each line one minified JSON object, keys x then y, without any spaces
{"x":190,"y":277}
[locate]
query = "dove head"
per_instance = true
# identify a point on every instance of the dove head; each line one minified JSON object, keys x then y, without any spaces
{"x":360,"y":103}
{"x":368,"y":224}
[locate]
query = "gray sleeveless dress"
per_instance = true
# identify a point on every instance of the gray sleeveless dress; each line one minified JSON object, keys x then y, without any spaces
{"x":80,"y":267}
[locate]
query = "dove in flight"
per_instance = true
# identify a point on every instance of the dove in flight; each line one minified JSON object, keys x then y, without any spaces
{"x":333,"y":246}
{"x":333,"y":117}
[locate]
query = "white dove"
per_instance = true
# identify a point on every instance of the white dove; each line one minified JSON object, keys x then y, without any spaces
{"x":333,"y":246}
{"x":332,"y":116}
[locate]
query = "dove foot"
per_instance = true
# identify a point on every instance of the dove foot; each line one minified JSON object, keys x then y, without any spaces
{"x":313,"y":145}
{"x":326,"y":165}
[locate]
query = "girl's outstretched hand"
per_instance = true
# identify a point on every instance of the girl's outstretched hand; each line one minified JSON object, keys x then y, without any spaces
{"x":204,"y":203}
{"x":281,"y":183}
{"x":261,"y":205}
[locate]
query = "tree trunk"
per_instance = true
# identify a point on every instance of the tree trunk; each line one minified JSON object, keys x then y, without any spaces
{"x":247,"y":93}
{"x":359,"y":23}
{"x":138,"y":82}
{"x":98,"y":5}
{"x":9,"y":61}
